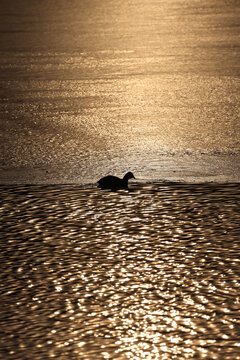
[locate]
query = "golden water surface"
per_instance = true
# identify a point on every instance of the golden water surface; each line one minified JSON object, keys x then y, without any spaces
{"x":148,"y":274}
{"x":92,"y":87}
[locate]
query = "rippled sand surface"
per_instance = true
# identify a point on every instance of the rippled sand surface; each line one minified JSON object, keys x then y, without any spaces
{"x":147,"y":274}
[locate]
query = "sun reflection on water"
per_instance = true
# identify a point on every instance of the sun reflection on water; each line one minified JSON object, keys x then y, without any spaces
{"x":121,"y":275}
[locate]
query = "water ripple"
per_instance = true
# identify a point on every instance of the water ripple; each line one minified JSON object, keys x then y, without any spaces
{"x":147,"y":274}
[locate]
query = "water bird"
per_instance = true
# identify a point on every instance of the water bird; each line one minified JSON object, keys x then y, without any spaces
{"x":114,"y":183}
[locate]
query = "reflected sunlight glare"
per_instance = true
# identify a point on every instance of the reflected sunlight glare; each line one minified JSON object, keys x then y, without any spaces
{"x":146,"y":274}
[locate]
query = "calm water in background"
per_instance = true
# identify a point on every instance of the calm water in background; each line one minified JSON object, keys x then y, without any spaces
{"x":148,"y":274}
{"x":95,"y":87}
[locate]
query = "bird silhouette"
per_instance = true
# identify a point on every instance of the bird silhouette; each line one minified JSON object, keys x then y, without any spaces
{"x":114,"y":183}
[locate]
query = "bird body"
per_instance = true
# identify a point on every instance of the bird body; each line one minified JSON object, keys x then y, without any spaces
{"x":114,"y":183}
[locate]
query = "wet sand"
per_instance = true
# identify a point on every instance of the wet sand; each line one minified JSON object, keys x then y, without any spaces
{"x":146,"y":274}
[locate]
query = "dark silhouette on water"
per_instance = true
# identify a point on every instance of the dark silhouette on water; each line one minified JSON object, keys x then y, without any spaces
{"x":115,"y":183}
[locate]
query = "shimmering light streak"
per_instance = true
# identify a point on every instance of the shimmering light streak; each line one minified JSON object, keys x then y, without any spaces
{"x":119,"y":287}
